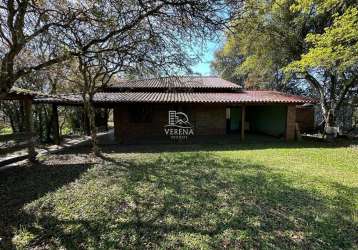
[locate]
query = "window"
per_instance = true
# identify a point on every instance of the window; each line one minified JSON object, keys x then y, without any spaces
{"x":140,"y":114}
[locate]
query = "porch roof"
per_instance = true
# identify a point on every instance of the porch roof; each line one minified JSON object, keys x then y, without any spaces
{"x":18,"y":94}
{"x":244,"y":97}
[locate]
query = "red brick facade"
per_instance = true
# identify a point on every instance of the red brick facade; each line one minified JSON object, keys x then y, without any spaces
{"x":141,"y":109}
{"x":305,"y":119}
{"x":206,"y":120}
{"x":291,"y":122}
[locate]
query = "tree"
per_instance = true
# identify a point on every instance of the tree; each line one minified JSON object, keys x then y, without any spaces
{"x":27,"y":26}
{"x":333,"y":56}
{"x":24,"y":26}
{"x":94,"y":73}
{"x":296,"y":42}
{"x":129,"y":36}
{"x":261,"y":40}
{"x":226,"y":61}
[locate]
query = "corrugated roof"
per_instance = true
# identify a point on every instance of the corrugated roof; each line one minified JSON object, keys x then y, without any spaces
{"x":164,"y":97}
{"x":62,"y":99}
{"x":177,"y":82}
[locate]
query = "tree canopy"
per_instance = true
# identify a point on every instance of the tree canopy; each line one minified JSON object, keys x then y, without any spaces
{"x":73,"y":28}
{"x":335,"y":50}
{"x":284,"y":44}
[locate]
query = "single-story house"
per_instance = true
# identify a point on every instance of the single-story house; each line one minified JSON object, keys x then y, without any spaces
{"x":182,"y":108}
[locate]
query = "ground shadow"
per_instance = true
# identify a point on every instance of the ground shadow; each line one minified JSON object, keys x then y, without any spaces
{"x":108,"y":144}
{"x":190,"y":201}
{"x":222,"y":146}
{"x":24,"y":184}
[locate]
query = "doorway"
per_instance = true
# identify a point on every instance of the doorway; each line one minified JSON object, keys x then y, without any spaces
{"x":233,"y":120}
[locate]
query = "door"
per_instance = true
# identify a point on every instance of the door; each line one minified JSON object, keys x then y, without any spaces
{"x":233,"y":119}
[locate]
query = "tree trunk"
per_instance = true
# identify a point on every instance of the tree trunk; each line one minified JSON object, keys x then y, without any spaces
{"x":330,"y":130}
{"x":327,"y":107}
{"x":330,"y":118}
{"x":13,"y":128}
{"x":85,"y":123}
{"x":89,"y":110}
{"x":29,"y":130}
{"x":6,"y":75}
{"x":55,"y":126}
{"x":40,"y":125}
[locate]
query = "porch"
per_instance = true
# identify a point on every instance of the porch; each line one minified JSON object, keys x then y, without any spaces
{"x":138,"y":123}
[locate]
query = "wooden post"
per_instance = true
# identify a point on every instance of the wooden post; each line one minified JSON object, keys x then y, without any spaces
{"x":29,"y":129}
{"x":55,"y":125}
{"x":243,"y":115}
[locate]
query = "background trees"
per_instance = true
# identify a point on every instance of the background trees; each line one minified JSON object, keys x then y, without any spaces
{"x":296,"y":46}
{"x":330,"y":65}
{"x":24,"y":27}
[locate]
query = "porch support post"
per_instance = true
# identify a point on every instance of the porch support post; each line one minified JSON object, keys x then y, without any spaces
{"x":291,"y":122}
{"x":29,"y":129}
{"x":243,"y":115}
{"x":55,"y":125}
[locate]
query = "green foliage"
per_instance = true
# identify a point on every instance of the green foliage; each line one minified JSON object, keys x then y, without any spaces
{"x":66,"y":130}
{"x":320,"y":6}
{"x":5,"y":130}
{"x":286,"y":43}
{"x":227,"y":60}
{"x":271,"y":196}
{"x":273,"y":37}
{"x":265,"y":36}
{"x":336,"y":50}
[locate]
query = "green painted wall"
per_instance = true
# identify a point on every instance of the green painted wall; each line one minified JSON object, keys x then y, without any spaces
{"x":270,"y":120}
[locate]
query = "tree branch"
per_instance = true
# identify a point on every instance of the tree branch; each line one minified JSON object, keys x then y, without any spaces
{"x":317,"y":86}
{"x":40,"y":66}
{"x":351,"y":83}
{"x":124,"y":28}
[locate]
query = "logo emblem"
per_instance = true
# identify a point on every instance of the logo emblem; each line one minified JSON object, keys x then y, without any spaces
{"x":178,"y":127}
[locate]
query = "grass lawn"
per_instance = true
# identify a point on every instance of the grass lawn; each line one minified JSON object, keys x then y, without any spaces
{"x":193,"y":197}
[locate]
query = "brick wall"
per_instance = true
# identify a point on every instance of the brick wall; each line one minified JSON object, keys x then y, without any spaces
{"x":291,"y":122}
{"x":305,"y":119}
{"x":209,"y":120}
{"x":206,"y":120}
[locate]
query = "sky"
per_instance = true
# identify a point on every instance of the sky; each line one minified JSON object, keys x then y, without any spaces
{"x":203,"y":68}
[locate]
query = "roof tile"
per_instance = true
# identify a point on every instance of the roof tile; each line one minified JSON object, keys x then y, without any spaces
{"x":175,"y":82}
{"x":160,"y":97}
